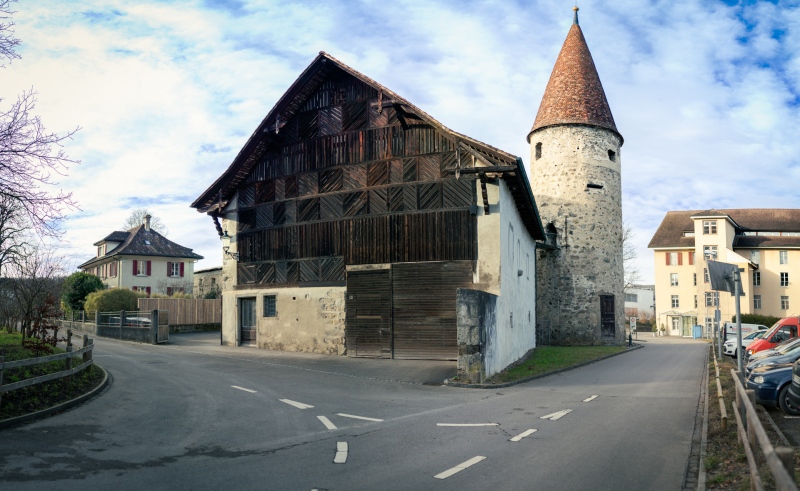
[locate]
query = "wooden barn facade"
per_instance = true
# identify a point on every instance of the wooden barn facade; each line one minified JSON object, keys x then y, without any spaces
{"x":353,"y":218}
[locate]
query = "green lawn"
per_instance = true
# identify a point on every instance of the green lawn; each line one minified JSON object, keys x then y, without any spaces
{"x":549,"y":358}
{"x":40,"y":396}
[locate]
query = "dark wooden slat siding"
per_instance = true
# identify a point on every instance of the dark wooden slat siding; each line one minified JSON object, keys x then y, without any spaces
{"x":368,"y":314}
{"x":424,"y":308}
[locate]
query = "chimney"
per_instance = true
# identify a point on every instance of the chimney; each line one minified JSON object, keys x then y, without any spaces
{"x":147,"y":222}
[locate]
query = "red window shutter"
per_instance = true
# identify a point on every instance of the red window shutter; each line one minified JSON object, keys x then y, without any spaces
{"x":134,"y":289}
{"x":147,"y":289}
{"x":169,"y":268}
{"x":148,"y":270}
{"x":667,"y":254}
{"x":691,"y":258}
{"x":136,"y":266}
{"x":181,"y":269}
{"x":680,"y":258}
{"x":169,"y":291}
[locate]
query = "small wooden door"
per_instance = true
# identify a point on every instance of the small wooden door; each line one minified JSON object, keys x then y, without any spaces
{"x":247,"y":321}
{"x":608,"y":320}
{"x":368,"y":331}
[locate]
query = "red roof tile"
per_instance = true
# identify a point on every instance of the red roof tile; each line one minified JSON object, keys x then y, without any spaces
{"x":574,"y":94}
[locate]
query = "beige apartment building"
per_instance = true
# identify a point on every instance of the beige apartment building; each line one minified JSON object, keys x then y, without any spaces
{"x":765,"y":243}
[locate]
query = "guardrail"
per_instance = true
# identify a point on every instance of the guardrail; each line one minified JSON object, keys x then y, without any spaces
{"x":751,"y":434}
{"x":85,"y":353}
{"x":723,"y":413}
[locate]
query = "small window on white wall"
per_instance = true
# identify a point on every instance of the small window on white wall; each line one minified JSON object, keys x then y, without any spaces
{"x":527,"y":267}
{"x":511,"y":241}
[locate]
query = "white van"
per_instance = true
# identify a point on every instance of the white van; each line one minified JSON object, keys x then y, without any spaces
{"x":730,"y":329}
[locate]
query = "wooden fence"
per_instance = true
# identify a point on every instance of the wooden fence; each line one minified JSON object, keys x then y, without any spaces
{"x":85,"y":353}
{"x":186,"y":311}
{"x":752,"y":435}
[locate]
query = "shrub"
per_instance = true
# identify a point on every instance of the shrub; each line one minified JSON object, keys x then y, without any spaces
{"x":113,"y":300}
{"x":77,"y":287}
{"x":766,"y":320}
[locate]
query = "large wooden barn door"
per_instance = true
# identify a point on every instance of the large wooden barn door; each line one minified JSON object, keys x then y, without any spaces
{"x":424,"y":308}
{"x":368,"y":329}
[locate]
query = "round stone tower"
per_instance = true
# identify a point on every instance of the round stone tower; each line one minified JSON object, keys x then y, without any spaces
{"x":575,"y":177}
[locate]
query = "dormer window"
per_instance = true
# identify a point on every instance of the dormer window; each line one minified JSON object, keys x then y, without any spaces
{"x":99,"y":251}
{"x":709,"y":227}
{"x":146,"y":242}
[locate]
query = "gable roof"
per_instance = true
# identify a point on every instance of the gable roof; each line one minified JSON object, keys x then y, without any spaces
{"x":140,"y":242}
{"x":216,"y":197}
{"x":574,"y":94}
{"x":675,"y":223}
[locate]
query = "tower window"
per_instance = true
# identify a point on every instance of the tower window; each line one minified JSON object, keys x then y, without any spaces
{"x":612,"y":155}
{"x":592,"y":185}
{"x":538,"y":150}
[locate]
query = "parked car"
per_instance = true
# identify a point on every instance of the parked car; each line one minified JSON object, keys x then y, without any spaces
{"x":771,"y":385}
{"x":782,"y":330}
{"x":788,"y":353}
{"x":729,"y":348}
{"x":794,"y":388}
{"x":778,"y":349}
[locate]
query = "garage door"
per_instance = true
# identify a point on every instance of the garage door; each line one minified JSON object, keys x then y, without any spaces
{"x":369,"y":314}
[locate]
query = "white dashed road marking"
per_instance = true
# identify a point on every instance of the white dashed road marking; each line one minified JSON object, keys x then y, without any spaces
{"x":523,"y":435}
{"x":242,"y":388}
{"x":590,"y":398}
{"x":298,"y":405}
{"x":558,"y":415}
{"x":358,"y":417}
{"x":459,"y":467}
{"x":467,"y":424}
{"x":341,"y":453}
{"x":327,"y":422}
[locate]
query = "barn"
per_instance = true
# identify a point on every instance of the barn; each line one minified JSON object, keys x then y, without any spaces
{"x":353,"y":223}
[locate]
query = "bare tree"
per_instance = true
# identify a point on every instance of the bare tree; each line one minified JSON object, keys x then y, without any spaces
{"x":630,"y":267}
{"x":34,"y":279}
{"x":13,"y":233}
{"x":29,"y":155}
{"x":136,"y":218}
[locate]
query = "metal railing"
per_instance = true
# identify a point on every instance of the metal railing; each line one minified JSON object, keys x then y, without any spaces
{"x":752,"y":435}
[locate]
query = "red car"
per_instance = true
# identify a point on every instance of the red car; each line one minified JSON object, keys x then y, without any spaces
{"x":784,"y":329}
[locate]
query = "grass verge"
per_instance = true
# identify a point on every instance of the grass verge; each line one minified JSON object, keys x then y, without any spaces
{"x":546,"y":359}
{"x":40,"y":396}
{"x":725,"y":461}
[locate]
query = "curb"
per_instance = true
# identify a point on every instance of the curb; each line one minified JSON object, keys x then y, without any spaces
{"x":701,"y":468}
{"x":448,"y":383}
{"x":5,"y":423}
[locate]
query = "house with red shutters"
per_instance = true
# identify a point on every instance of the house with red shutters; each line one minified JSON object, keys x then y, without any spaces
{"x":143,"y":260}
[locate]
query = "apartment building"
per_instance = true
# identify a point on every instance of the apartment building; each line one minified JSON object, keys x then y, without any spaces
{"x":765,"y":243}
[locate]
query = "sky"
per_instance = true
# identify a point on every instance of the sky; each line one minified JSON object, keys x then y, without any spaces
{"x":705,"y":93}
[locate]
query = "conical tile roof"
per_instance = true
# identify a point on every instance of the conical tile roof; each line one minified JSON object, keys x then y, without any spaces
{"x":574,"y":94}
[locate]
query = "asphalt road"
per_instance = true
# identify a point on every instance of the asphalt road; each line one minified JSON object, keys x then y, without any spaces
{"x":193,"y":415}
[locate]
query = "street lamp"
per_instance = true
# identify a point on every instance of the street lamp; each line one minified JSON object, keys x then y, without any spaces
{"x":226,"y":245}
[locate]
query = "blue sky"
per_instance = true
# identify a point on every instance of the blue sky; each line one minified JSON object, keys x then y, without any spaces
{"x":705,"y":93}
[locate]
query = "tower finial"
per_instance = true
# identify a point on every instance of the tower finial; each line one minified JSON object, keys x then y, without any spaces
{"x":575,"y":15}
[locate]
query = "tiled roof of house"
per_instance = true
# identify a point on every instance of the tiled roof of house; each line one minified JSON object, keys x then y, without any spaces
{"x":116,"y":236}
{"x":574,"y":94}
{"x":675,"y":223}
{"x":141,"y":242}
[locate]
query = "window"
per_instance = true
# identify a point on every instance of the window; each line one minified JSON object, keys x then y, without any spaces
{"x":676,"y":323}
{"x":675,"y":302}
{"x":143,"y":289}
{"x":756,"y":278}
{"x":695,"y":301}
{"x":674,"y":258}
{"x":673,"y":279}
{"x":99,"y":251}
{"x":784,"y":302}
{"x":756,"y":302}
{"x":709,"y":227}
{"x":709,"y":323}
{"x":784,"y":257}
{"x":631,"y":297}
{"x":688,"y":234}
{"x":694,"y":275}
{"x":270,"y":306}
{"x":612,"y":156}
{"x":705,"y":275}
{"x":710,"y":252}
{"x":141,"y":268}
{"x":175,"y":269}
{"x":711,"y":299}
{"x":113,"y":269}
{"x":755,"y":257}
{"x":784,"y":279}
{"x":538,"y":150}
